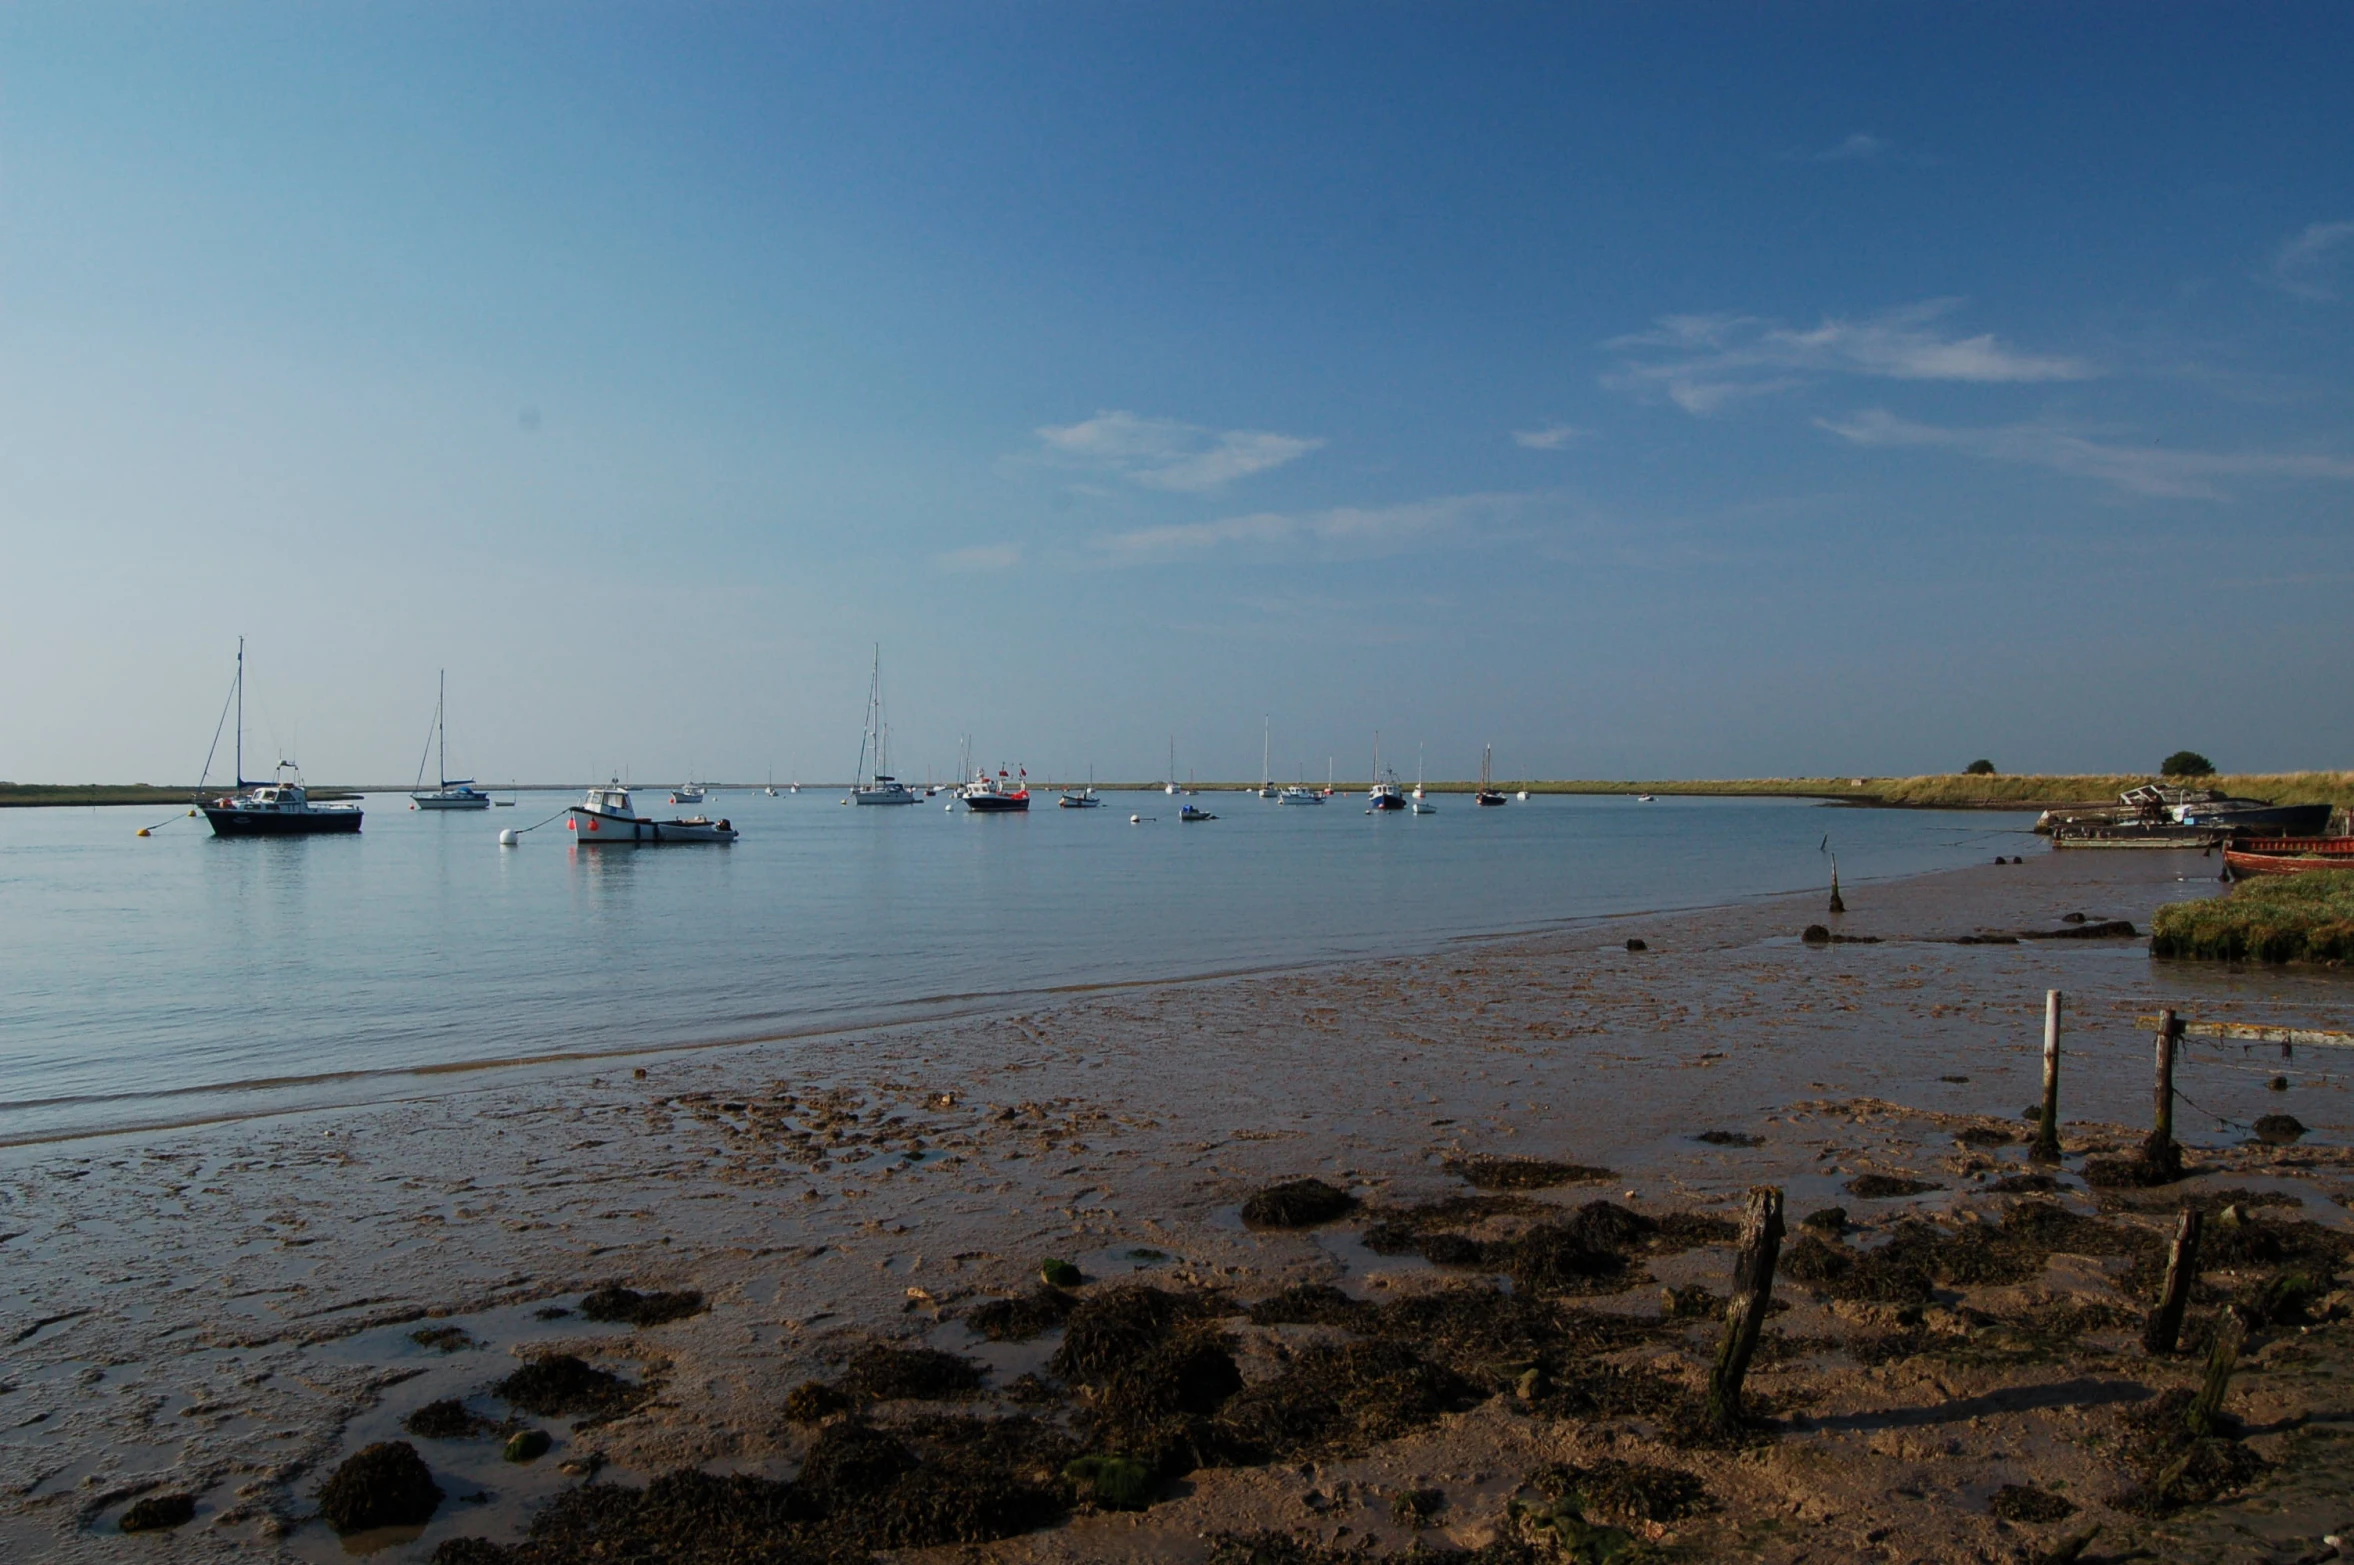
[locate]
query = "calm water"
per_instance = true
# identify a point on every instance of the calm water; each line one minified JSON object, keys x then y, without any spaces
{"x":175,"y":977}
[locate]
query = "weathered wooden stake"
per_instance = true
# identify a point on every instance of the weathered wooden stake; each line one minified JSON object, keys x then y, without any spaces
{"x":2159,"y":1151}
{"x":1753,"y":1286}
{"x":1837,"y":906}
{"x":2047,"y":1127}
{"x":2164,"y":1333}
{"x":2231,"y":1335}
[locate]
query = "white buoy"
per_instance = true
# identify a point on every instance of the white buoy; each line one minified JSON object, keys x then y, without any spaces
{"x":508,"y":838}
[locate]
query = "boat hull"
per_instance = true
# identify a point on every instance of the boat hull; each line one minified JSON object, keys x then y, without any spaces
{"x":597,"y":828}
{"x":2279,"y":820}
{"x":891,"y":795}
{"x":2290,"y":855}
{"x":997,"y":804}
{"x":229,"y":821}
{"x":435,"y":801}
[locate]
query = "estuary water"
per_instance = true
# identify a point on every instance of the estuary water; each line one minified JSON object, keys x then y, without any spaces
{"x":180,"y":977}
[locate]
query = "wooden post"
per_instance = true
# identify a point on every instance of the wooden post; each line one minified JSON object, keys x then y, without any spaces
{"x":2231,"y":1335}
{"x":1837,"y":906}
{"x":2159,"y":1151}
{"x":2182,"y":1266}
{"x":2047,"y":1127}
{"x":1753,"y":1286}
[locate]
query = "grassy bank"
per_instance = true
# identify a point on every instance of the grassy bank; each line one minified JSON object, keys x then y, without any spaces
{"x":1958,"y":791}
{"x":34,"y":795}
{"x":2290,"y":918}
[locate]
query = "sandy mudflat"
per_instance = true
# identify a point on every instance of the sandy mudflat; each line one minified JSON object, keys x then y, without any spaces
{"x":230,"y":1312}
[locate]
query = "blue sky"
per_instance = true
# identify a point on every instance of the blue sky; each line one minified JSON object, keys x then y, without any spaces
{"x":1645,"y":390}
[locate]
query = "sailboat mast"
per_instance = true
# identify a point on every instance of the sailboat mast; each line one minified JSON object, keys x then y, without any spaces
{"x":441,"y":725}
{"x":240,"y":712}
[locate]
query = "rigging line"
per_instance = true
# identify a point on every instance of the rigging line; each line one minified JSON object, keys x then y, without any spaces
{"x":216,"y":744}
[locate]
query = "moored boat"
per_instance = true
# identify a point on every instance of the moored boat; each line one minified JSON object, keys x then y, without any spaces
{"x":2289,"y":855}
{"x":455,"y":793}
{"x":877,"y":786}
{"x":606,"y":818}
{"x":277,"y":808}
{"x":999,"y":795}
{"x":1384,"y":794}
{"x":1487,"y":795}
{"x":1194,"y":812}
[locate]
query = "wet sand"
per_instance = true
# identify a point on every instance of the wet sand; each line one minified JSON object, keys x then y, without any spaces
{"x":231,"y":1311}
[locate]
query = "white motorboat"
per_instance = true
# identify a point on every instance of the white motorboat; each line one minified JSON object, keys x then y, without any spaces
{"x":605,"y":818}
{"x":455,"y":793}
{"x":687,"y":793}
{"x":1299,"y":796}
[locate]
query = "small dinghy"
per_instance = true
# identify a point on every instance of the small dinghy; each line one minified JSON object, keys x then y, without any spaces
{"x":1194,"y":812}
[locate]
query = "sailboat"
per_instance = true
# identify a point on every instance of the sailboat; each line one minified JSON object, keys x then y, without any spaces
{"x":1267,"y":789}
{"x":455,"y":793}
{"x":1385,"y":794}
{"x":1170,"y":787}
{"x":1487,"y":794}
{"x":879,"y":786}
{"x":1422,"y":806}
{"x":273,"y":809}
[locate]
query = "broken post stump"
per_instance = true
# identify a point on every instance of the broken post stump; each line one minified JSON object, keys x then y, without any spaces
{"x":2047,"y":1124}
{"x":1753,"y":1286}
{"x":2164,"y":1332}
{"x":2206,"y":1409}
{"x":1837,"y":905}
{"x":2159,"y":1151}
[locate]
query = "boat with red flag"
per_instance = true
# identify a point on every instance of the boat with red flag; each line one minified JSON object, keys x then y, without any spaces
{"x":999,"y":795}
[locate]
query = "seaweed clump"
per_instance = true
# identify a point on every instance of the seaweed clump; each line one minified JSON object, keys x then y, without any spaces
{"x":933,"y":1482}
{"x":559,"y":1385}
{"x":1888,"y":1187}
{"x":1339,"y":1399}
{"x":383,"y":1485}
{"x":447,"y":1419}
{"x":1520,"y":1173}
{"x":2024,"y":1503}
{"x":1628,"y":1493}
{"x":886,"y":1372}
{"x":2174,"y":1468}
{"x":613,"y":1302}
{"x":1020,"y":1319}
{"x":1156,"y":1370}
{"x":1300,"y":1203}
{"x":159,"y":1513}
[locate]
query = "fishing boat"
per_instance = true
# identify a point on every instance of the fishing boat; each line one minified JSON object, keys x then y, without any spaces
{"x":1194,"y":812}
{"x":1299,"y":795}
{"x":2167,"y":815}
{"x":1081,"y":801}
{"x":2288,"y":855}
{"x":454,"y":793}
{"x":605,"y":818}
{"x":1487,"y":795}
{"x":999,"y":795}
{"x":877,"y":786}
{"x":278,"y":808}
{"x":687,"y":793}
{"x":1384,"y":794}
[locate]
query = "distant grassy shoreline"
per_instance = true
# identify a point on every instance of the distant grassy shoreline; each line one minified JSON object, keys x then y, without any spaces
{"x":2303,"y":918}
{"x":1949,"y":791}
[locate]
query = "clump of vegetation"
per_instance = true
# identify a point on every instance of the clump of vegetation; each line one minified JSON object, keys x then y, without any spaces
{"x":159,"y":1513}
{"x":1340,"y":1399}
{"x":1520,"y":1173}
{"x":1979,"y":768}
{"x":1060,"y":1274}
{"x":1920,"y":1256}
{"x":447,"y":1419}
{"x":1018,"y":1320}
{"x":813,"y":1402}
{"x":2172,"y":1467}
{"x":2285,"y":918}
{"x":1301,"y":1203}
{"x":1624,"y":1492}
{"x":449,"y":1339}
{"x":613,"y":1302}
{"x":886,"y":1372}
{"x":2186,"y":763}
{"x":1113,"y":1482}
{"x":527,"y":1445}
{"x":1888,"y":1187}
{"x":2015,"y":1502}
{"x":384,"y":1485}
{"x":562,"y":1386}
{"x":1416,"y":1509}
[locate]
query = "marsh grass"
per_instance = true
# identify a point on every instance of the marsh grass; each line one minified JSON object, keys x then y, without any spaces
{"x":2291,"y":918}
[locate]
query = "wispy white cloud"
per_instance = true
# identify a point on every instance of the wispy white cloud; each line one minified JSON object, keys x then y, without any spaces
{"x":2306,"y":267}
{"x":1703,"y":363}
{"x":1343,"y":532}
{"x":981,"y":557}
{"x":1552,"y":437}
{"x":1858,"y":148}
{"x":2152,"y":471}
{"x":1163,"y":453}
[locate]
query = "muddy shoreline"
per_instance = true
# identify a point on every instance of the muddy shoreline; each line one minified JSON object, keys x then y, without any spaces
{"x":233,"y":1310}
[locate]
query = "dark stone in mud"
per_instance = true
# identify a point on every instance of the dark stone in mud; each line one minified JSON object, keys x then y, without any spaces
{"x":2020,"y":1503}
{"x":1302,"y":1203}
{"x":2104,"y":929}
{"x":2073,"y":918}
{"x":613,"y":1302}
{"x":1831,"y":1219}
{"x":2278,"y":1084}
{"x":550,"y":1312}
{"x":449,"y":1339}
{"x":2025,"y":1184}
{"x":1887,"y":1187}
{"x":447,"y":1419}
{"x":888,"y":1373}
{"x":1520,"y":1173}
{"x":527,"y":1445}
{"x":1632,"y":945}
{"x":2279,"y":1130}
{"x":1060,"y":1274}
{"x":1816,"y":935}
{"x":1986,"y":1136}
{"x":1018,"y":1320}
{"x":1730,"y":1138}
{"x":159,"y":1513}
{"x":384,"y":1485}
{"x":813,"y":1402}
{"x":1693,"y":1301}
{"x":562,"y":1386}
